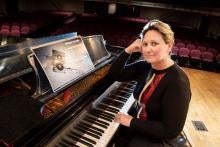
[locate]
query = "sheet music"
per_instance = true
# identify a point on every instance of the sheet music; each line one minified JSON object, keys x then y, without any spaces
{"x":64,"y":61}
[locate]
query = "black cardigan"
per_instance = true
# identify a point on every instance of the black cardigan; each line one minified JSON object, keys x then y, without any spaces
{"x":168,"y":105}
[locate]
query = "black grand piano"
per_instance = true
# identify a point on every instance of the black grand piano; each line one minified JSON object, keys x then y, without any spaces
{"x":46,"y":100}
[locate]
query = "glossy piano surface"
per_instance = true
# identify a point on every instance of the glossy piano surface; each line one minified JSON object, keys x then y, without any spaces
{"x":87,"y":106}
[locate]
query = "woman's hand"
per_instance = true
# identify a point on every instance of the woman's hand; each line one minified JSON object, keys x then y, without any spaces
{"x":123,"y":119}
{"x":134,"y":47}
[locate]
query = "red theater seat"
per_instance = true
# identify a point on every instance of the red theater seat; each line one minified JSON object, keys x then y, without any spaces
{"x":207,"y":60}
{"x":190,"y":46}
{"x":180,"y":45}
{"x":25,"y":28}
{"x":195,"y":57}
{"x":15,"y":25}
{"x":183,"y":56}
{"x":175,"y":53}
{"x":4,"y":31}
{"x":5,"y":25}
{"x":201,"y":48}
{"x":15,"y":32}
{"x":214,"y":51}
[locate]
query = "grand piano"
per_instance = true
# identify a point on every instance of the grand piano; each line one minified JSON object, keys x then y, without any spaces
{"x":46,"y":101}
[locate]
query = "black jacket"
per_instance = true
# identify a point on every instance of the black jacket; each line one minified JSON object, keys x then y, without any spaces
{"x":168,"y":105}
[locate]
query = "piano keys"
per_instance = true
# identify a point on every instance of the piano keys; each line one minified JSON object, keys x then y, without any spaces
{"x":95,"y":126}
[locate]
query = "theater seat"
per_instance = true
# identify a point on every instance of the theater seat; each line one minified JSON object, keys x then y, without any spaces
{"x":190,"y":46}
{"x":213,"y":50}
{"x":180,"y":45}
{"x":15,"y":32}
{"x":5,"y":25}
{"x":25,"y":29}
{"x":183,"y":56}
{"x":201,"y":48}
{"x":207,"y":60}
{"x":4,"y":31}
{"x":175,"y":53}
{"x":195,"y":57}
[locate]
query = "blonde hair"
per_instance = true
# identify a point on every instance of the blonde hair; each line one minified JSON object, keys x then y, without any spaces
{"x":161,"y":27}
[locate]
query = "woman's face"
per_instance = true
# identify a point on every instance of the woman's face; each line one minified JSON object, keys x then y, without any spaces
{"x":154,"y":48}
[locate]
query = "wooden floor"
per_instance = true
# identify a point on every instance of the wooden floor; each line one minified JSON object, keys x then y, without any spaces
{"x":205,"y":107}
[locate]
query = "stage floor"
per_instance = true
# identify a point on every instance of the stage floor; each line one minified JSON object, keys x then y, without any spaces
{"x":204,"y":107}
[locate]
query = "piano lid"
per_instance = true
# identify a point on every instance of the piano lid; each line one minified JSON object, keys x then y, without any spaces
{"x":96,"y":48}
{"x":13,"y":58}
{"x":19,"y":113}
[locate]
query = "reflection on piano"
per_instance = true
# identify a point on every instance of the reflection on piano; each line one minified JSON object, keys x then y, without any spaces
{"x":80,"y":114}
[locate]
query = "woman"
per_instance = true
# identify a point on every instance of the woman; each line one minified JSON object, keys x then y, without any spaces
{"x":162,"y":92}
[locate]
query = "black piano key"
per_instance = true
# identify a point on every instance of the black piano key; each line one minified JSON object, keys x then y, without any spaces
{"x":118,"y":90}
{"x":96,"y":121}
{"x":109,"y":101}
{"x":90,"y":126}
{"x":71,"y":133}
{"x":111,"y":109}
{"x":61,"y":144}
{"x":90,"y":130}
{"x":127,"y":85}
{"x":116,"y":97}
{"x":125,"y":88}
{"x":103,"y":112}
{"x":133,"y":82}
{"x":123,"y":85}
{"x":79,"y":140}
{"x":113,"y":103}
{"x":128,"y":90}
{"x":101,"y":115}
{"x":86,"y":132}
{"x":131,"y":86}
{"x":124,"y":94}
{"x":67,"y":142}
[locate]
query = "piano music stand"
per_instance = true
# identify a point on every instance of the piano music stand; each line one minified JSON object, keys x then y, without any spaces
{"x":41,"y":81}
